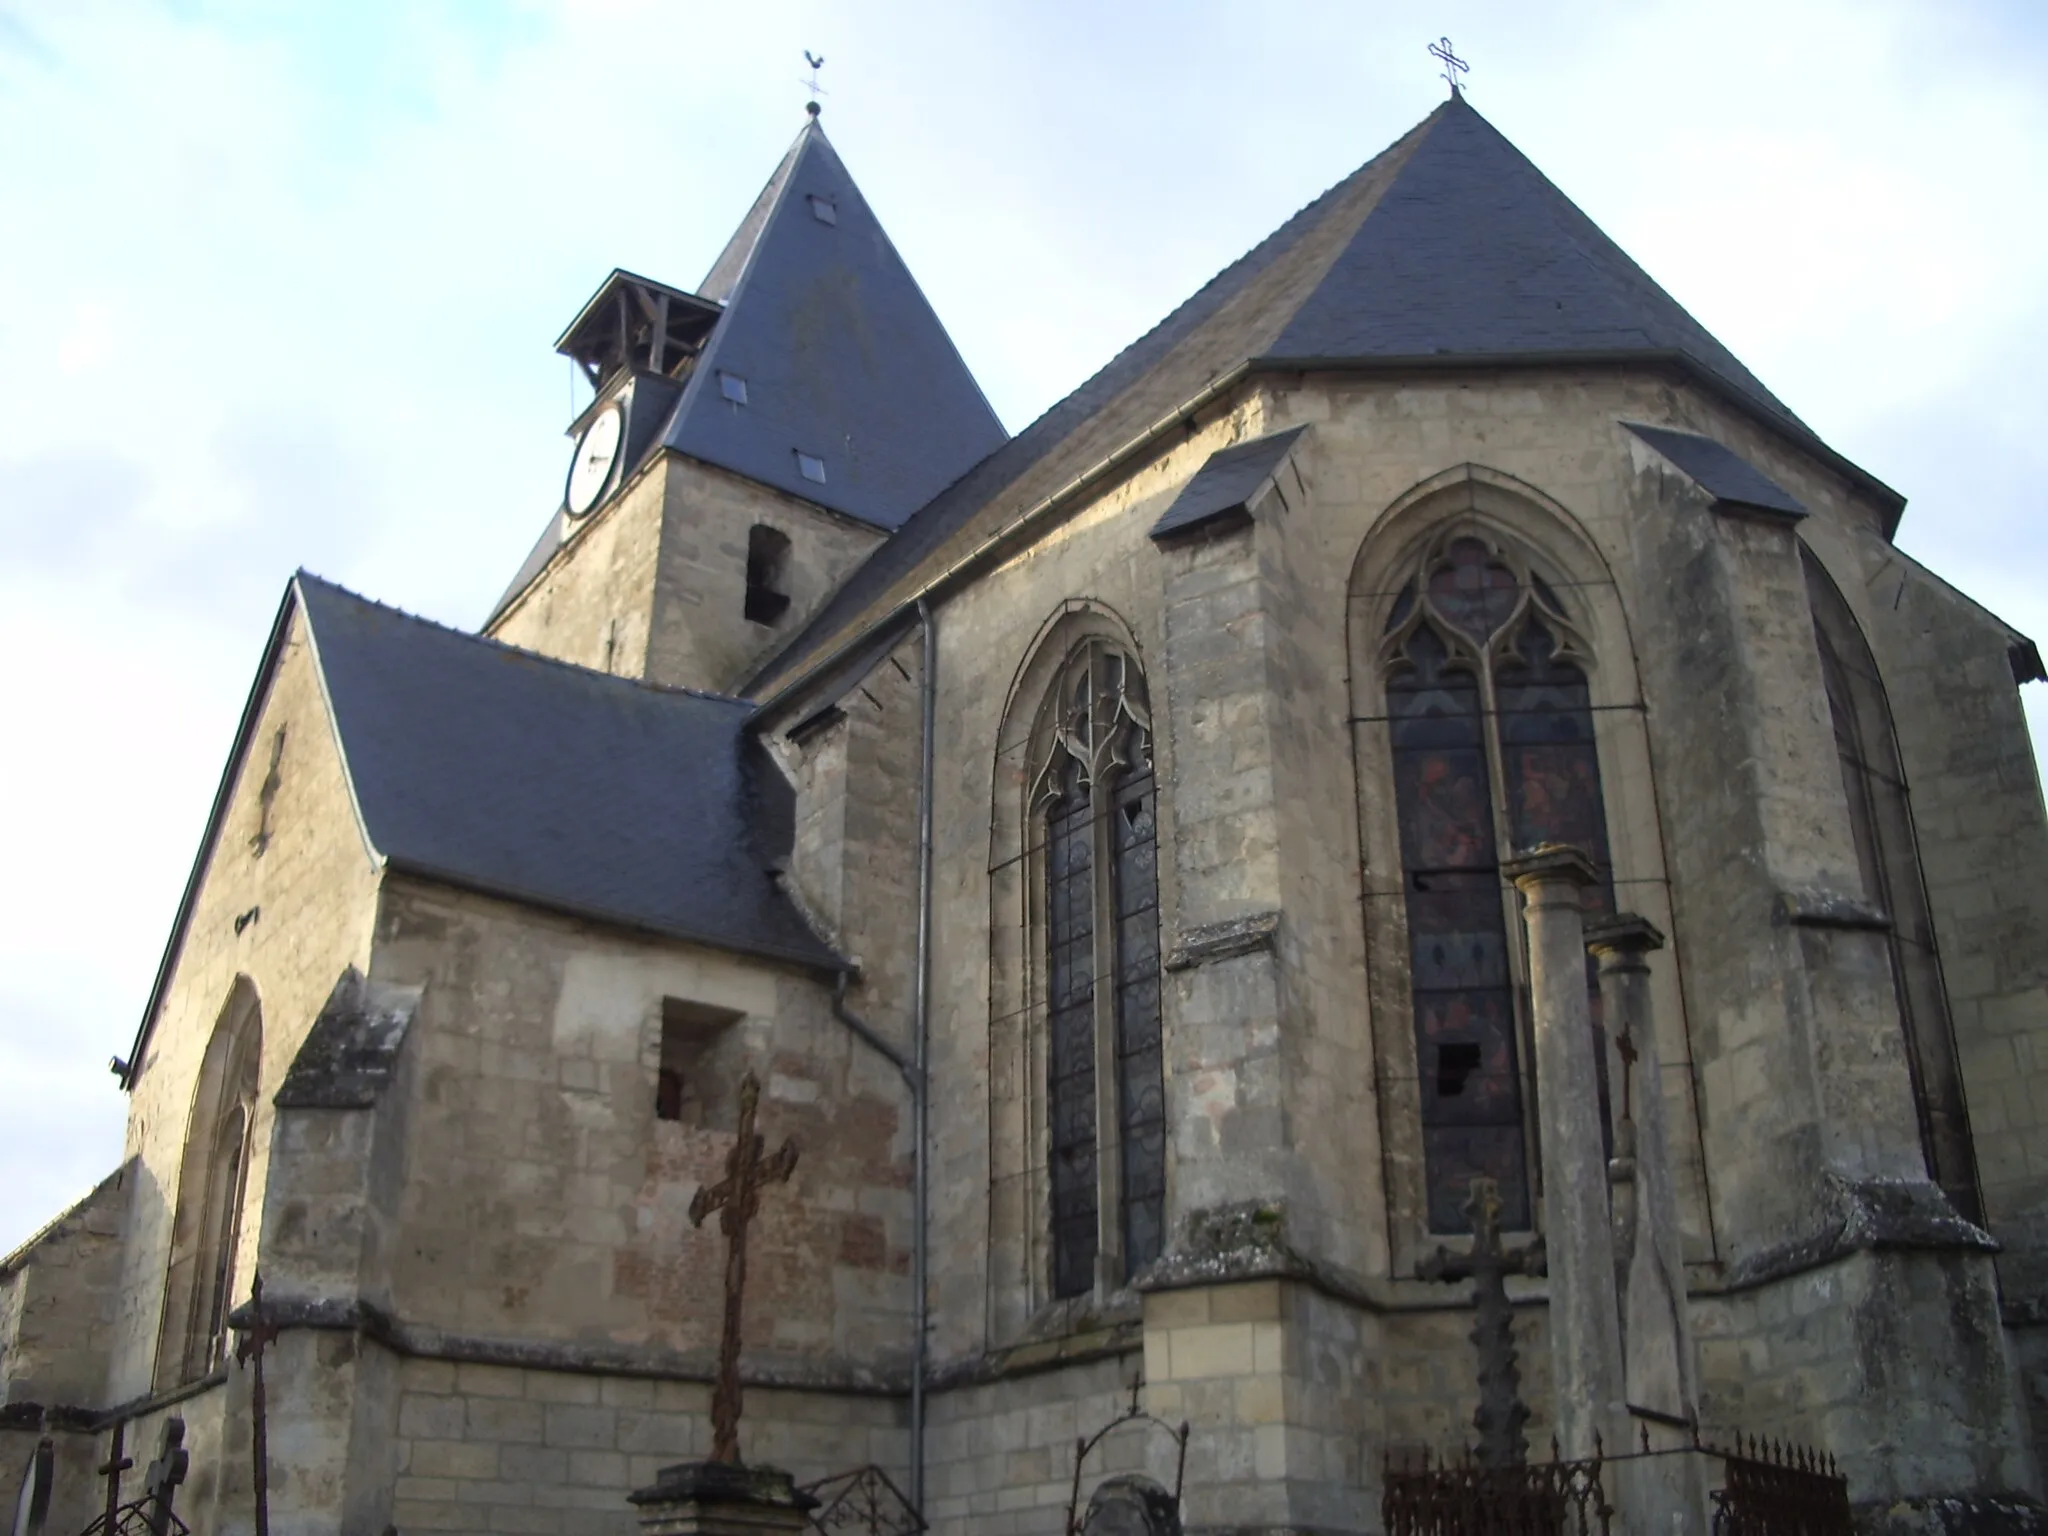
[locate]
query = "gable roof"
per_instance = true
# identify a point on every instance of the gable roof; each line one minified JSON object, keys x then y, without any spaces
{"x":1229,"y":480}
{"x":843,"y":358}
{"x":1719,"y":470}
{"x":492,"y":768}
{"x":475,"y":764}
{"x":1448,"y":249}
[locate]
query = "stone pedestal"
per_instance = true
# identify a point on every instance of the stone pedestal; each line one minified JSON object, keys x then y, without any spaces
{"x":719,"y":1498}
{"x":1585,"y":1318}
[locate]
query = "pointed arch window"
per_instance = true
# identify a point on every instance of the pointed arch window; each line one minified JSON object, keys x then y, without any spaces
{"x":213,"y":1186}
{"x":1096,"y":800}
{"x":1888,"y":861}
{"x":1491,"y":724}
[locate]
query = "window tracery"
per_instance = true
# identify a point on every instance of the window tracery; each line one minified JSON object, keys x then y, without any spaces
{"x":1094,"y":796}
{"x":1491,"y":726}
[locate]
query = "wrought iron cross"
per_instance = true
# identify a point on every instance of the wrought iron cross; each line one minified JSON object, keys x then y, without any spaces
{"x":1453,"y":65}
{"x":737,"y":1199}
{"x":1501,"y":1412}
{"x":259,"y":1334}
{"x":112,"y":1468}
{"x":160,"y":1484}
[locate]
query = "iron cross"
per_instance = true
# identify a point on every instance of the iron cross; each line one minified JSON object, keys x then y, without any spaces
{"x":737,"y":1199}
{"x":1501,"y":1412}
{"x":112,"y":1468}
{"x":258,"y":1336}
{"x":817,"y":62}
{"x":1453,"y":65}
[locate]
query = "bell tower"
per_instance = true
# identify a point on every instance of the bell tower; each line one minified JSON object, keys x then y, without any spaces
{"x":746,"y":445}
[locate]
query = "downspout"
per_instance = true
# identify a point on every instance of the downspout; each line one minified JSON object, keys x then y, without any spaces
{"x":920,"y":1047}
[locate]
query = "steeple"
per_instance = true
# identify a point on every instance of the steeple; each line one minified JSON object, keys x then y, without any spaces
{"x":829,"y":376}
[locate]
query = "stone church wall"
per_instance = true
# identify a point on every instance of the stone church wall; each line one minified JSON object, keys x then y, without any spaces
{"x":289,"y":918}
{"x":494,"y":1450}
{"x":653,"y":583}
{"x":546,"y":1203}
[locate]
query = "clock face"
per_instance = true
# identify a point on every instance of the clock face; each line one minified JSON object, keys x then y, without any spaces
{"x":596,"y":451}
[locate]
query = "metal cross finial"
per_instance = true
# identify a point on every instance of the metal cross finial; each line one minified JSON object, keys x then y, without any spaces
{"x":817,"y":62}
{"x":1453,"y":65}
{"x":737,"y":1199}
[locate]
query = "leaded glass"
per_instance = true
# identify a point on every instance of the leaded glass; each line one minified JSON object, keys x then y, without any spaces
{"x":1491,"y":724}
{"x":1070,"y":944}
{"x":1141,"y":1085}
{"x":1104,"y":1051}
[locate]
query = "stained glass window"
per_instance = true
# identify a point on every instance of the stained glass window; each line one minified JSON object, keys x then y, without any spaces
{"x":1491,"y":725}
{"x":1106,"y":1092}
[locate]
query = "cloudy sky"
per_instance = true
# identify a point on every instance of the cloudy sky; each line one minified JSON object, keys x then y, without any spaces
{"x":278,"y":284}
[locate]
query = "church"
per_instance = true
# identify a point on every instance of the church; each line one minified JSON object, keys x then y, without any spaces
{"x":1422,"y":756}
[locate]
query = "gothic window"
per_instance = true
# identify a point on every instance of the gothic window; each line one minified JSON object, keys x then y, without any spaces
{"x":1491,"y":724}
{"x":213,"y":1185}
{"x":1094,"y":795}
{"x":1888,"y":862}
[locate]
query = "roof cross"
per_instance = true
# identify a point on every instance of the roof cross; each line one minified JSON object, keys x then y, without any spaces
{"x":1453,"y":65}
{"x":737,"y":1198}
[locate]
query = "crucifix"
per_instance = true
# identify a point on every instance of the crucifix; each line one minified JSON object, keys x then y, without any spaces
{"x":160,"y":1483}
{"x":112,"y":1468}
{"x":737,"y":1199}
{"x":1453,"y":65}
{"x":259,"y":1334}
{"x":1501,"y":1412}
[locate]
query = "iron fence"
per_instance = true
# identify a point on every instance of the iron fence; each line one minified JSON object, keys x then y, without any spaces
{"x":1463,"y":1497}
{"x":865,"y":1500}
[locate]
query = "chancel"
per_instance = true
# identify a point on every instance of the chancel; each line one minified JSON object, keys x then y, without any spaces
{"x":1424,"y":718}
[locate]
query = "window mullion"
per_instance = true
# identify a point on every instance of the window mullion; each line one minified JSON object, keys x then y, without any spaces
{"x":1517,"y":937}
{"x":1108,"y":1110}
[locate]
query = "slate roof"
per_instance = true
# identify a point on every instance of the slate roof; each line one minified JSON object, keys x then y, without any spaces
{"x":843,"y":357}
{"x":501,"y":771}
{"x":1448,"y":248}
{"x":1719,"y":470}
{"x":1226,"y":484}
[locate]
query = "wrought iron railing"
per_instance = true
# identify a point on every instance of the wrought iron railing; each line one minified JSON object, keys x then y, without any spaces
{"x":1772,"y":1489}
{"x":866,"y":1500}
{"x":1462,"y":1497}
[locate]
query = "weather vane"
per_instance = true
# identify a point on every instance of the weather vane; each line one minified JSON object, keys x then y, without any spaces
{"x":1441,"y":49}
{"x":817,"y":62}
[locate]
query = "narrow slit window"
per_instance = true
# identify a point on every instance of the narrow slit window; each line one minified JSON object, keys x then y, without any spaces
{"x":767,"y":574}
{"x":693,"y":1073}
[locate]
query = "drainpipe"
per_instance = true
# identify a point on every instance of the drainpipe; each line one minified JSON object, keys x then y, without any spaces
{"x":920,"y":1046}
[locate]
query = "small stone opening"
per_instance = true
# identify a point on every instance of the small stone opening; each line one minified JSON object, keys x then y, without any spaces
{"x":1455,"y":1066}
{"x":693,"y":1072}
{"x":767,"y":574}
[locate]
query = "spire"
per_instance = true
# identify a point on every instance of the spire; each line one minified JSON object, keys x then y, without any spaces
{"x":852,"y":395}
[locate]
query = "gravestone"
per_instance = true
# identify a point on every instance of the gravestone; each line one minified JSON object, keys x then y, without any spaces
{"x":1131,"y":1504}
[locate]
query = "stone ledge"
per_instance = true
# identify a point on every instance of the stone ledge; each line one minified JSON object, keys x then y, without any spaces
{"x":1864,"y":1215}
{"x":423,"y":1342}
{"x":1037,"y":1357}
{"x":1827,"y":909}
{"x":1226,"y":940}
{"x":1972,"y":1514}
{"x":47,"y":1417}
{"x":351,"y":1054}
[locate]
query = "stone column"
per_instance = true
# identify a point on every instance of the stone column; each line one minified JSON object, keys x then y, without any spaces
{"x":1665,"y":1493}
{"x":719,"y":1498}
{"x":1585,"y":1321}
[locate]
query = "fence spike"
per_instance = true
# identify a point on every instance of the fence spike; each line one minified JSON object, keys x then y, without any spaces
{"x":1645,"y":1427}
{"x":1556,"y":1450}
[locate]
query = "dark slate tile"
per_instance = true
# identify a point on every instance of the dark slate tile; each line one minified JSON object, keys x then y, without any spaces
{"x":1719,"y":471}
{"x":1225,"y":484}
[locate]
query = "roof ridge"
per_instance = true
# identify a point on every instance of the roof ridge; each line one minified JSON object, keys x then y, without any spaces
{"x":492,"y":642}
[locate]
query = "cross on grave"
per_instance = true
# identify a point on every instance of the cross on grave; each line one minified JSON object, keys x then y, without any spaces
{"x":737,"y":1199}
{"x":1453,"y":65}
{"x":112,"y":1468}
{"x":257,"y":1335}
{"x":160,"y":1483}
{"x":1501,"y":1412}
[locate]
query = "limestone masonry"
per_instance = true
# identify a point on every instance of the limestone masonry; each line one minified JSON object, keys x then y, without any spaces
{"x":1150,"y":864}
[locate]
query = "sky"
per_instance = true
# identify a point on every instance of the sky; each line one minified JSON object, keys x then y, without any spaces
{"x":279,"y":285}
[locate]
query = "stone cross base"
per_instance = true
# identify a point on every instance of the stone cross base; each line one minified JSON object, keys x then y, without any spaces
{"x":717,"y":1498}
